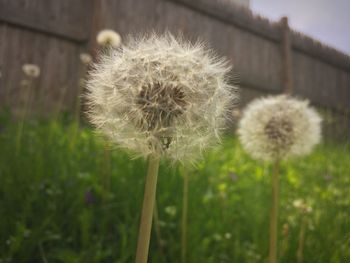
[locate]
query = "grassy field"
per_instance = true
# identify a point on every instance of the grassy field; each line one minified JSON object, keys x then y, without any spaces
{"x":66,"y":196}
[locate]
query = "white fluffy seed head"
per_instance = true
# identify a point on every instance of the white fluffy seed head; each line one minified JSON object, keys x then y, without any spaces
{"x":108,"y":38}
{"x":31,"y":70}
{"x":279,"y":127}
{"x":159,"y":95}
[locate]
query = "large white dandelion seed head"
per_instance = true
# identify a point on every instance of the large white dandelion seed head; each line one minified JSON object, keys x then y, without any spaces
{"x":159,"y":95}
{"x":279,"y":127}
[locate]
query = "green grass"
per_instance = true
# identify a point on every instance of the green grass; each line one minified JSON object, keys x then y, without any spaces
{"x":65,"y":198}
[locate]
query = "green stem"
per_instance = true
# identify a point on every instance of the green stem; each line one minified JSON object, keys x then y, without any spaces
{"x":158,"y":233}
{"x":301,"y":240}
{"x":147,"y":210}
{"x":25,"y":109}
{"x":274,"y":214}
{"x":184,"y":218}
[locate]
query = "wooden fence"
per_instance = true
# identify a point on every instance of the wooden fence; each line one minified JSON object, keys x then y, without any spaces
{"x":268,"y":57}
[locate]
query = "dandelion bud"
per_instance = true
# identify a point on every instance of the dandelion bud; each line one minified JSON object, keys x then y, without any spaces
{"x":108,"y":37}
{"x":279,"y":127}
{"x":31,"y":70}
{"x":158,"y":95}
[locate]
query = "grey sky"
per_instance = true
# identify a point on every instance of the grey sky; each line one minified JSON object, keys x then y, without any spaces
{"x":325,"y":20}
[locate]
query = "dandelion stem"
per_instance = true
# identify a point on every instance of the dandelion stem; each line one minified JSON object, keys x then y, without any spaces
{"x":158,"y":233}
{"x":147,"y":210}
{"x":301,"y":240}
{"x":24,"y":113}
{"x":184,"y":218}
{"x":274,"y":213}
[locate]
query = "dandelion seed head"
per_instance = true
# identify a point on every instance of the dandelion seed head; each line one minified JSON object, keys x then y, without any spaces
{"x":279,"y":127}
{"x":85,"y":58}
{"x":31,"y":70}
{"x":160,"y":95}
{"x":108,"y":38}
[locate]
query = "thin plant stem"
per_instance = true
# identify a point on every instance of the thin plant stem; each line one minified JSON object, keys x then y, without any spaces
{"x":158,"y":232}
{"x":301,"y":240}
{"x":56,"y":114}
{"x":147,"y":210}
{"x":107,"y":168}
{"x":24,"y":113}
{"x":285,"y":240}
{"x":184,"y":217}
{"x":274,"y":213}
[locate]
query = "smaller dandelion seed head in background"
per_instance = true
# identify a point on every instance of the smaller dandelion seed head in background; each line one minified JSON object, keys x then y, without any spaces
{"x":108,"y":38}
{"x":279,"y":127}
{"x":31,"y":70}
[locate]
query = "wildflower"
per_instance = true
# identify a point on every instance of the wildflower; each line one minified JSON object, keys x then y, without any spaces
{"x":279,"y":127}
{"x":85,"y":58}
{"x":158,"y":95}
{"x":31,"y":70}
{"x":302,"y":206}
{"x":108,"y":37}
{"x":228,"y":235}
{"x":171,"y":210}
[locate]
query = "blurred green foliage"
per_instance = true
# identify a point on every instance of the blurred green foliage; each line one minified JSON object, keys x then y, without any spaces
{"x":67,"y":196}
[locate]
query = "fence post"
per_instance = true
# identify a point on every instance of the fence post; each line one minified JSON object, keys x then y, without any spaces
{"x":287,"y":71}
{"x":95,"y":26}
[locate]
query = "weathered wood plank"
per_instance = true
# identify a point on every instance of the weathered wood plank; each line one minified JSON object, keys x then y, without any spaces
{"x":58,"y":60}
{"x":240,"y":17}
{"x":245,"y":19}
{"x":50,"y":17}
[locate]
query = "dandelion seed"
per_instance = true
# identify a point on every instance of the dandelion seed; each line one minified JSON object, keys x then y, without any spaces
{"x":31,"y":70}
{"x":160,"y":96}
{"x":279,"y":127}
{"x":108,"y":37}
{"x":85,"y":58}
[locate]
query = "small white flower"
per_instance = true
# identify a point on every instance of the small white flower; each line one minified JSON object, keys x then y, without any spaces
{"x":298,"y":203}
{"x":85,"y":58}
{"x":31,"y":70}
{"x":171,"y":210}
{"x":159,"y":95}
{"x":279,"y":127}
{"x":302,"y":206}
{"x":108,"y":37}
{"x":228,"y":235}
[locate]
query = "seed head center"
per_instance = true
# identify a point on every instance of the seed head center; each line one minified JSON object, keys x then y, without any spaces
{"x":160,"y":105}
{"x":279,"y":131}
